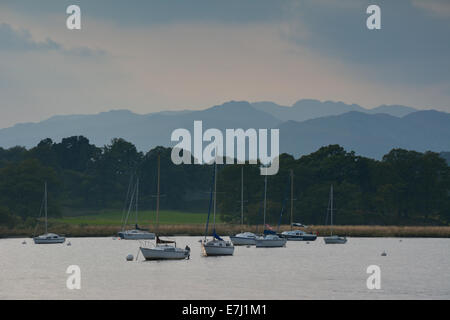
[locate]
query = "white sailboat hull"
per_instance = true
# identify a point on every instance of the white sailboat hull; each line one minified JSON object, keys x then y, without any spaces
{"x":49,"y":239}
{"x":335,"y":240}
{"x":164,"y":253}
{"x":136,"y":235}
{"x":270,"y":243}
{"x":242,"y":241}
{"x":218,"y":248}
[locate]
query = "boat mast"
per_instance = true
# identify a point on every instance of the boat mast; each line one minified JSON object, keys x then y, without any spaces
{"x":265,"y":196}
{"x":137,"y":200}
{"x":157,"y":194}
{"x":215,"y":193}
{"x":242,"y":198}
{"x":292,"y":197}
{"x":331,"y":208}
{"x":210,"y":204}
{"x":45,"y":196}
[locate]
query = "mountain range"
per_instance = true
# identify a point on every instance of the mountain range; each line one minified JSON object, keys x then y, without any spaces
{"x":304,"y":127}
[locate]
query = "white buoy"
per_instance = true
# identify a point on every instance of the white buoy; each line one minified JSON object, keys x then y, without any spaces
{"x":130,"y":257}
{"x":384,"y":254}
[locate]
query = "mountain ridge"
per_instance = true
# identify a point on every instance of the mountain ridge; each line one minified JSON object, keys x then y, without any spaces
{"x":369,"y":134}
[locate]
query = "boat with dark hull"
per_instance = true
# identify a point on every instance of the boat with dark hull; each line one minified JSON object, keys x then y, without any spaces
{"x":333,"y":239}
{"x":298,"y":235}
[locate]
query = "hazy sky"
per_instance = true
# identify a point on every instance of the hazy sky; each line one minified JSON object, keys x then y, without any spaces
{"x":184,"y":54}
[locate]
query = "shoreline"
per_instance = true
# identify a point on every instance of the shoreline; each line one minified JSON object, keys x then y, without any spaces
{"x":75,"y":231}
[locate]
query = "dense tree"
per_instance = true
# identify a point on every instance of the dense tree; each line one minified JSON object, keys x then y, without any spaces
{"x":22,"y":188}
{"x":14,"y":154}
{"x":405,"y":187}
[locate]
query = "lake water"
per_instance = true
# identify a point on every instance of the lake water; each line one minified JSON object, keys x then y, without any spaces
{"x":412,"y":269}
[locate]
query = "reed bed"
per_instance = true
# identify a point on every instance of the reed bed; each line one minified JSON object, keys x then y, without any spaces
{"x":229,"y":229}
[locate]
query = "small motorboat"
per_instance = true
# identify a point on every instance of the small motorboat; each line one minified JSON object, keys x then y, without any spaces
{"x":49,"y":238}
{"x":136,"y":234}
{"x":298,"y":235}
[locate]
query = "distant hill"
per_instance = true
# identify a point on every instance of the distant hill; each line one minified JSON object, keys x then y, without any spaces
{"x":307,"y":109}
{"x":145,"y":131}
{"x":370,"y":133}
{"x":393,"y":110}
{"x":446,"y":156}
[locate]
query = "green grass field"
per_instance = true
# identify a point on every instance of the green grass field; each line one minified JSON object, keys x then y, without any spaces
{"x":114,"y":218}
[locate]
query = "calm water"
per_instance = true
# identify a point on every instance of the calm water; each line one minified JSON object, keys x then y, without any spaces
{"x":413,"y":269}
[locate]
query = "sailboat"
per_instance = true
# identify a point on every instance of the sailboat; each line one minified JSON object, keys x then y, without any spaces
{"x":48,"y":238}
{"x":296,"y":235}
{"x":164,"y":249}
{"x":333,"y":239}
{"x":216,"y":246}
{"x":243,"y":238}
{"x":136,"y":233}
{"x":270,"y":239}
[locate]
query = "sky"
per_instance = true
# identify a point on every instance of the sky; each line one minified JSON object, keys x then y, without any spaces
{"x":155,"y":55}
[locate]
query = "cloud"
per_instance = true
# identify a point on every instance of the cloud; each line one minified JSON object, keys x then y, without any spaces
{"x":194,"y":54}
{"x":21,"y":40}
{"x":156,"y":12}
{"x":436,"y":7}
{"x":412,"y":46}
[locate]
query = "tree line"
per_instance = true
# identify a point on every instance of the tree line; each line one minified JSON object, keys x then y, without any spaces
{"x":405,"y":187}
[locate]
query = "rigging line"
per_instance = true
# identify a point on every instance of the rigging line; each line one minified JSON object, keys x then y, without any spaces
{"x":40,"y":214}
{"x":283,"y":207}
{"x":328,"y":210}
{"x":210,"y":203}
{"x":126,"y":199}
{"x":129,"y":208}
{"x":260,"y":209}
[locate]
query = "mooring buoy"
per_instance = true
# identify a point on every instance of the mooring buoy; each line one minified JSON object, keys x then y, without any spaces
{"x":130,"y":257}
